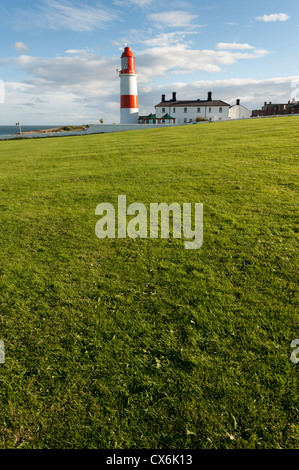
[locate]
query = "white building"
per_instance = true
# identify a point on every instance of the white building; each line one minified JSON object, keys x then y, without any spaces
{"x":185,"y":112}
{"x":238,"y":111}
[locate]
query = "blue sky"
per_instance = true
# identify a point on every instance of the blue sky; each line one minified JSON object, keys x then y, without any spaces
{"x":58,"y":58}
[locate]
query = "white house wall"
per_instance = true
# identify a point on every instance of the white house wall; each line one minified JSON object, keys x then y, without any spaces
{"x":192,"y":113}
{"x":239,"y":112}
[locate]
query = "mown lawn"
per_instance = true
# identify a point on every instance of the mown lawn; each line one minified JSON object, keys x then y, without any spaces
{"x":141,"y":343}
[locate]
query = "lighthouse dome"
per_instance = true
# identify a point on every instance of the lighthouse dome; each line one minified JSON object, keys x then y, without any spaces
{"x":127,"y":53}
{"x":127,"y":61}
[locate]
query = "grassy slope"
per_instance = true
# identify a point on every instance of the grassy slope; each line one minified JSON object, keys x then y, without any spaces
{"x":141,"y":343}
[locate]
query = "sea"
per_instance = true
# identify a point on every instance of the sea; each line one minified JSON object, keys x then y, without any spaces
{"x":9,"y":130}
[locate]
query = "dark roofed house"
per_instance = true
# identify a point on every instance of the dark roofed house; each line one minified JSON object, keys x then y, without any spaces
{"x":186,"y":111}
{"x":271,"y":109}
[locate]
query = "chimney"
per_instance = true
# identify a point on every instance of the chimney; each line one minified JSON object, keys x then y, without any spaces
{"x":209,"y":96}
{"x":163,"y":98}
{"x":173,"y":96}
{"x":238,"y":102}
{"x":265,"y":104}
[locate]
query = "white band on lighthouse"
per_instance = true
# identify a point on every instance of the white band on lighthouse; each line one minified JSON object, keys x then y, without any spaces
{"x":129,"y":84}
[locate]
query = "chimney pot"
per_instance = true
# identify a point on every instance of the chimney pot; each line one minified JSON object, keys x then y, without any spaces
{"x":163,"y":98}
{"x":238,"y":102}
{"x":209,"y":96}
{"x":173,"y":96}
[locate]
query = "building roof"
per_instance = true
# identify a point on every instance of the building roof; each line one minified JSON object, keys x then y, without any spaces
{"x":238,"y":106}
{"x":283,"y":108}
{"x":166,"y":116}
{"x":291,"y":104}
{"x":192,"y":103}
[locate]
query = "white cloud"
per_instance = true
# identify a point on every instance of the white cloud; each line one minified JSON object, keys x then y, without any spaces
{"x":172,"y":19}
{"x":165,"y":39}
{"x":76,"y":51}
{"x":63,"y":14}
{"x":168,"y":39}
{"x":20,"y":47}
{"x":2,"y":92}
{"x":233,"y":46}
{"x":83,"y":75}
{"x":165,"y":61}
{"x":274,"y":17}
{"x":139,"y":3}
{"x":24,"y":59}
{"x":36,"y":104}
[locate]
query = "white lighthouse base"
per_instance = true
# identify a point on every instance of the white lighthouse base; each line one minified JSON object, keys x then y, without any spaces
{"x":129,"y":116}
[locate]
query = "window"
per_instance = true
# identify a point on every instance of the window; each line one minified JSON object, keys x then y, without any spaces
{"x":185,"y":110}
{"x":185,"y":120}
{"x":198,"y":110}
{"x":124,"y":63}
{"x":173,"y":110}
{"x":210,"y":110}
{"x":220,"y":110}
{"x":163,"y":110}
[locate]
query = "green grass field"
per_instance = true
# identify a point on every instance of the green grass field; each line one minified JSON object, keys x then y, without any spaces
{"x":141,"y":343}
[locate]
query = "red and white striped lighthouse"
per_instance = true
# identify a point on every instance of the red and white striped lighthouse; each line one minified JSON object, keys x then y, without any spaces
{"x":129,"y":112}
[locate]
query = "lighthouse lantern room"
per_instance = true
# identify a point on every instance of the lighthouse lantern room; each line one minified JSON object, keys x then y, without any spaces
{"x":129,"y":112}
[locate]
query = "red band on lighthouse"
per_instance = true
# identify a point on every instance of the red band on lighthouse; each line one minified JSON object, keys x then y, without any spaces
{"x":128,"y":101}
